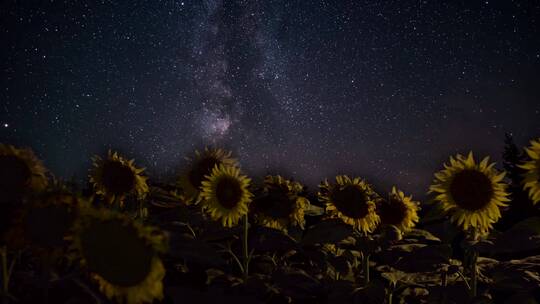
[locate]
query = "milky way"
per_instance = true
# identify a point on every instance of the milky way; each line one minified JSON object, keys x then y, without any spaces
{"x":386,"y":90}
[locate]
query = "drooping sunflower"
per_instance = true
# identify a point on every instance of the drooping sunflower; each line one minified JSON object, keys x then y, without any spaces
{"x":399,"y":210}
{"x":531,"y":178}
{"x":352,"y":200}
{"x":116,"y":177}
{"x":121,"y":255}
{"x":201,"y":166}
{"x":471,"y":193}
{"x":225,"y":194}
{"x":280,"y":204}
{"x":21,"y":173}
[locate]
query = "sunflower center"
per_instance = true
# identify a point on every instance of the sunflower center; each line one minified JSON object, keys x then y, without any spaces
{"x":351,"y":201}
{"x":117,"y":177}
{"x":228,"y":192}
{"x":202,"y":167}
{"x":392,"y":212}
{"x":116,"y":252}
{"x":47,"y":226}
{"x":471,"y":190}
{"x":14,"y":173}
{"x":275,"y":204}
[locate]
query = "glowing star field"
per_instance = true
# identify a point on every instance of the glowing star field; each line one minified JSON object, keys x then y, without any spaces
{"x":381,"y":89}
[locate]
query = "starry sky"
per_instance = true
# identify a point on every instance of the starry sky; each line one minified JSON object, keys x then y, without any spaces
{"x":386,"y":90}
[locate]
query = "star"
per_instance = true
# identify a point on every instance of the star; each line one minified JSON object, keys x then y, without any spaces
{"x":290,"y":86}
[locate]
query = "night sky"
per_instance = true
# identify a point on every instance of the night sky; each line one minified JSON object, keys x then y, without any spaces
{"x":385,"y":90}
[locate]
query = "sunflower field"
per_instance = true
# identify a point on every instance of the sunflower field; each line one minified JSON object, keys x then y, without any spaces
{"x":215,"y":235}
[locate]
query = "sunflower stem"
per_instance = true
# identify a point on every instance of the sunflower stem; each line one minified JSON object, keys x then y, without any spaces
{"x":365,"y":268}
{"x":115,"y":204}
{"x":236,"y":259}
{"x":46,"y":266}
{"x":5,"y":274}
{"x":444,"y":283}
{"x":246,"y":251}
{"x":464,"y":280}
{"x":240,"y":264}
{"x":444,"y":279}
{"x":474,"y":274}
{"x":141,"y":210}
{"x":85,"y":287}
{"x":390,"y":296}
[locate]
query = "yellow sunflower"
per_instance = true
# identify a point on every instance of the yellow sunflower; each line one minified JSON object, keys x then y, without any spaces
{"x":199,"y":168}
{"x":225,"y":194}
{"x":531,"y":181}
{"x":121,"y":255}
{"x":115,"y":177}
{"x":20,"y":173}
{"x":470,"y":193}
{"x":352,"y":200}
{"x":399,"y":210}
{"x":280,"y":204}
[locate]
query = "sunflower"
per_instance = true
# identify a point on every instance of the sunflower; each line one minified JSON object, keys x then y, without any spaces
{"x":45,"y":222}
{"x":399,"y":210}
{"x":200,"y":167}
{"x":20,"y":173}
{"x":225,"y":194}
{"x":280,"y":204}
{"x":352,"y":200}
{"x":470,"y":193}
{"x":115,"y":177}
{"x":121,"y":255}
{"x":531,"y":179}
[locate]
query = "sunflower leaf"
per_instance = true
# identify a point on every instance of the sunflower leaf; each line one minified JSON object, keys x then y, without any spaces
{"x":313,"y":210}
{"x":340,"y":264}
{"x":425,"y":258}
{"x":329,"y":231}
{"x":423,"y":236}
{"x":516,"y":275}
{"x":271,"y":240}
{"x":297,"y":284}
{"x":531,"y":224}
{"x":194,"y":250}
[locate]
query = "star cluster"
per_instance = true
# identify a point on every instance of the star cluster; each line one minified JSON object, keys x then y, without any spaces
{"x":381,"y":89}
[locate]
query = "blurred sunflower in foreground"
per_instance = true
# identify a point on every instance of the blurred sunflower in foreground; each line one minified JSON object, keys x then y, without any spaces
{"x":45,"y":223}
{"x":352,"y":200}
{"x":20,"y":173}
{"x":280,"y":204}
{"x":225,"y":194}
{"x":531,"y":182}
{"x":399,"y":210}
{"x":199,"y":168}
{"x":470,"y":193}
{"x":121,"y":255}
{"x":115,"y":177}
